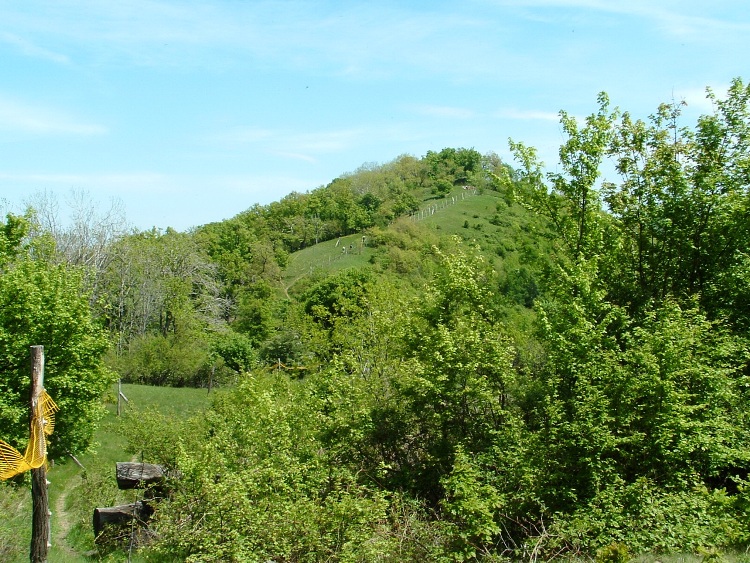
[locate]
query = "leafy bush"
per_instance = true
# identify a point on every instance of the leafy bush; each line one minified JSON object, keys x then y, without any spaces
{"x":340,"y":297}
{"x":647,"y":517}
{"x":258,"y":487}
{"x":613,"y":553}
{"x":236,"y":351}
{"x":173,"y":359}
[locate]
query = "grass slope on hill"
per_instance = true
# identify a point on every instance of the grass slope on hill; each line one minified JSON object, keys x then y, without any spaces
{"x":509,"y":236}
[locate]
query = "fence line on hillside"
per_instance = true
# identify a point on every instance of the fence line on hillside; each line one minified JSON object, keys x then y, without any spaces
{"x":430,"y":210}
{"x":358,"y":248}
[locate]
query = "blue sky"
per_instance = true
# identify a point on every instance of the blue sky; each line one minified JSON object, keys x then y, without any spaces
{"x":190,"y":112}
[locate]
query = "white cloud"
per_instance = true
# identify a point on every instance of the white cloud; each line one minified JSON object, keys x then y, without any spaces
{"x":325,"y":141}
{"x":356,"y":40}
{"x":37,"y":120}
{"x":697,"y":98}
{"x":360,"y":40}
{"x":291,"y":144}
{"x":264,"y":188}
{"x":297,"y":156}
{"x":244,"y":135}
{"x":128,"y":183}
{"x":157,"y":199}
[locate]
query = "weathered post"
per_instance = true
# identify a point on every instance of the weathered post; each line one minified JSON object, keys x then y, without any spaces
{"x":120,"y":397}
{"x":40,"y":522}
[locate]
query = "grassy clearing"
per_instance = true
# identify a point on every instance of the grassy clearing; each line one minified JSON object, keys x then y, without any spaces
{"x":451,"y":212}
{"x":75,"y":492}
{"x":710,"y":557}
{"x":183,"y":401}
{"x":329,"y":256}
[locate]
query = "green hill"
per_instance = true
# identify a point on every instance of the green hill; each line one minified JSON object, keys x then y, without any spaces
{"x":508,"y":235}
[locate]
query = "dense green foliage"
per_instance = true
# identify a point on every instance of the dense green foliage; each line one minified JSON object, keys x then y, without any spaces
{"x":451,"y":416}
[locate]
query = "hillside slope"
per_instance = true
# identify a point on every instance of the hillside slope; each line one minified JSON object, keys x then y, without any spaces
{"x":509,"y":236}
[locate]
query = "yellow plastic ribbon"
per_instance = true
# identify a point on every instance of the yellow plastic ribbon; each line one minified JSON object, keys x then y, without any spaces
{"x":12,"y":462}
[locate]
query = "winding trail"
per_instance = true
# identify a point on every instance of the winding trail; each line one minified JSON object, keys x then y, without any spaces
{"x":61,"y":525}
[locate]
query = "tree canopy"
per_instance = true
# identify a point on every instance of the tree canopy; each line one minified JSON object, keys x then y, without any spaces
{"x":46,"y":304}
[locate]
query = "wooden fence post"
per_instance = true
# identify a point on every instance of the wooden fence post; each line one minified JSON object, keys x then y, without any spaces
{"x":120,"y":397}
{"x":40,"y":522}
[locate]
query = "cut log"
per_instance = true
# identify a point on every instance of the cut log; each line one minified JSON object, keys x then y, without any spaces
{"x":135,"y":475}
{"x":122,"y":514}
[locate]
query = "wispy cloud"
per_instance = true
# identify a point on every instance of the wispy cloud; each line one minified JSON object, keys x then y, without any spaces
{"x":37,"y":120}
{"x":264,"y":188}
{"x":297,"y":156}
{"x":30,"y":49}
{"x":244,"y":135}
{"x":135,"y":182}
{"x":359,"y":40}
{"x":322,"y":142}
{"x":457,"y":113}
{"x":680,"y":18}
{"x":144,"y":193}
{"x":285,"y":143}
{"x":677,"y":20}
{"x":697,"y":98}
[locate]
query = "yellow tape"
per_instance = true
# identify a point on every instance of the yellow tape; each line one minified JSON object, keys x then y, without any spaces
{"x":12,"y":462}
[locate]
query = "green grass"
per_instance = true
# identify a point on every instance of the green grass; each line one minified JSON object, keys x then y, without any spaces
{"x":328,"y":256}
{"x":718,"y":557}
{"x":75,"y":492}
{"x":728,"y":557}
{"x":448,"y":217}
{"x":181,"y":400}
{"x":482,"y":218}
{"x":15,"y":521}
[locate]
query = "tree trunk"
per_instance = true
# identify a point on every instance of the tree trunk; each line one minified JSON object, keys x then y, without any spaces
{"x":40,"y":520}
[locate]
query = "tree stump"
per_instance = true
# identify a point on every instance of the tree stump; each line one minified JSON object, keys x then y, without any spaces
{"x":123,"y":514}
{"x":135,"y":475}
{"x":111,"y":523}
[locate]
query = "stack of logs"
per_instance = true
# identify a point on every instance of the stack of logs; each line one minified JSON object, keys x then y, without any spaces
{"x":133,"y":475}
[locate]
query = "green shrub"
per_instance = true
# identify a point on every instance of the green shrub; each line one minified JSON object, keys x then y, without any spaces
{"x":175,"y":360}
{"x":647,"y":517}
{"x":613,"y":553}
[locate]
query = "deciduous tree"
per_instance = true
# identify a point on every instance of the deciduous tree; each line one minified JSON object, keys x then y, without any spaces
{"x":46,"y":304}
